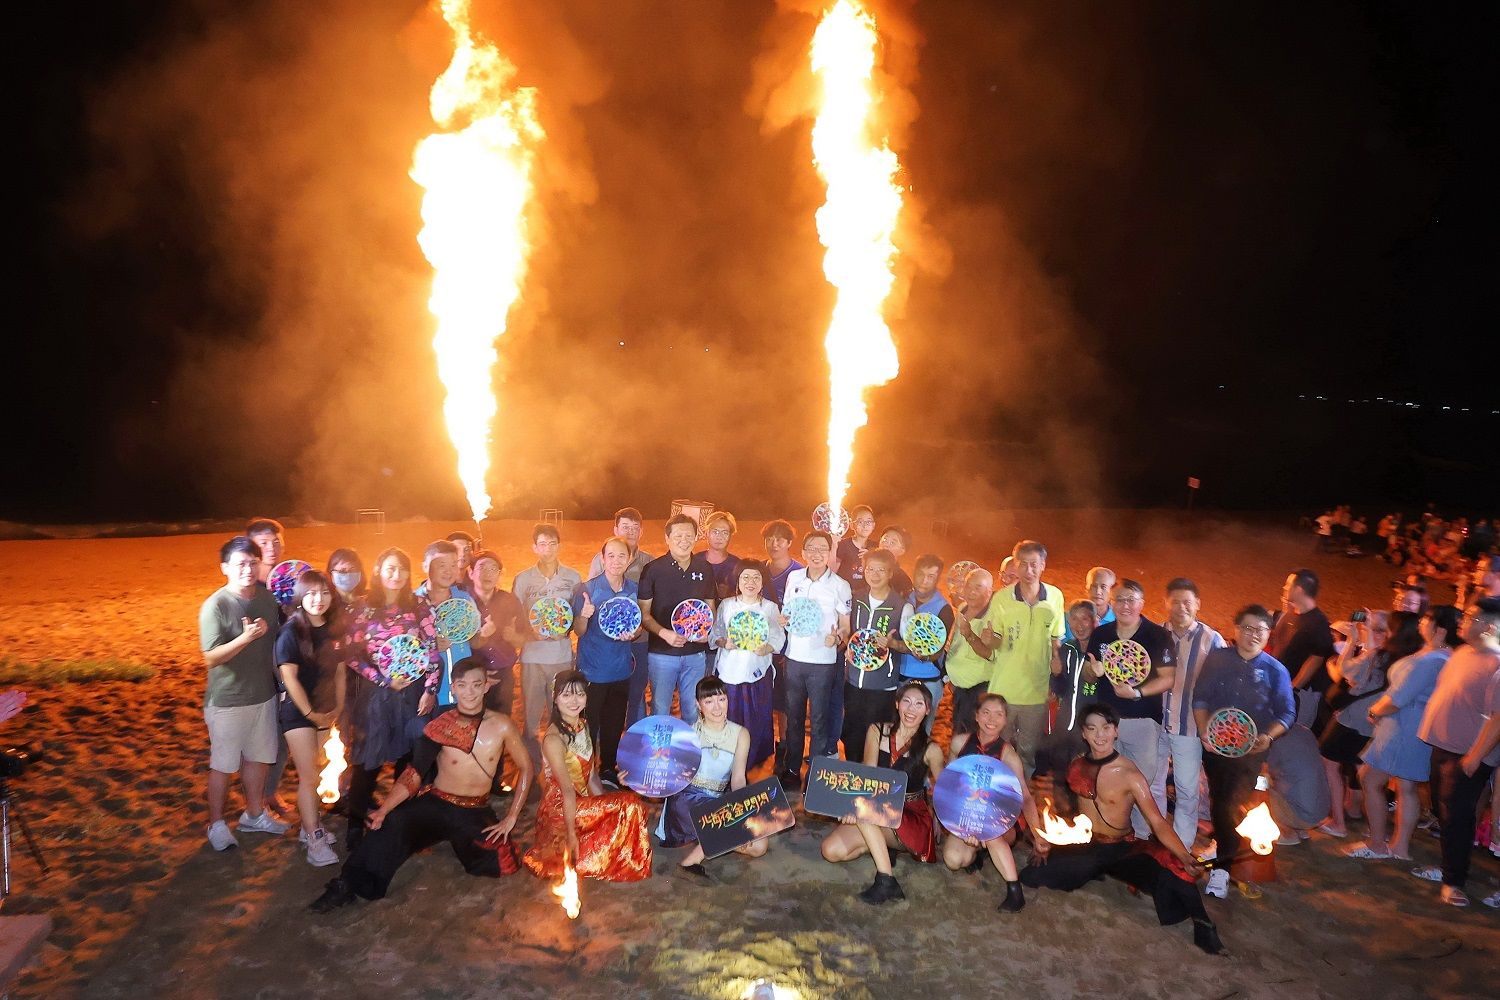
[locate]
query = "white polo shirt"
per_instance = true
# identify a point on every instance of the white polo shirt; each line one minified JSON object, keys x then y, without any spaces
{"x":832,"y":593}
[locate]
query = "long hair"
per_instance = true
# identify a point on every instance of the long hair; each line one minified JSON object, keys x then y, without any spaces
{"x":349,"y":556}
{"x":919,"y":739}
{"x":560,"y":683}
{"x":301,"y":627}
{"x":404,"y":598}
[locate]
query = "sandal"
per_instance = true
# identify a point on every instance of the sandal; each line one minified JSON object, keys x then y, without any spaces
{"x":1325,"y":828}
{"x":1430,"y":873}
{"x":1453,"y":896}
{"x":1364,"y":852}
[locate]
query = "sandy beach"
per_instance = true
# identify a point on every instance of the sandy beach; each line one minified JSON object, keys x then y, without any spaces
{"x":144,"y":908}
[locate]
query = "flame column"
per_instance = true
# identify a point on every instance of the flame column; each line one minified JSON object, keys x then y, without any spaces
{"x":476,"y":173}
{"x":856,"y":225}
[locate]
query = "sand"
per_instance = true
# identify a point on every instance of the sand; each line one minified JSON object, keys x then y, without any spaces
{"x":143,"y":907}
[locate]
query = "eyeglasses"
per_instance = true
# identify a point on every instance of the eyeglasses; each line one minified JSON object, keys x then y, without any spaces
{"x":1255,"y":629}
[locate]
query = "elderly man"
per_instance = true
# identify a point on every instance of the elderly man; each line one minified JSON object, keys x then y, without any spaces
{"x":971,"y":647}
{"x":1246,"y":677}
{"x":1097,"y":585}
{"x":1139,"y":705}
{"x":1031,"y":627}
{"x":628,"y":527}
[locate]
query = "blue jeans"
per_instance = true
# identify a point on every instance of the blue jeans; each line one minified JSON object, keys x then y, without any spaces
{"x":680,"y":672}
{"x":808,"y":689}
{"x":635,"y":709}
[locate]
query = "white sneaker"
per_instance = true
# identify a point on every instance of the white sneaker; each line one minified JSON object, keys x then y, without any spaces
{"x":1218,"y":883}
{"x":320,"y":850}
{"x":220,"y":837}
{"x":302,"y":835}
{"x":262,"y":824}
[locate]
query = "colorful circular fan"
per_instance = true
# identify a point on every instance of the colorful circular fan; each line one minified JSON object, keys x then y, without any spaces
{"x":403,"y":655}
{"x":958,"y":573}
{"x":748,"y":630}
{"x":551,"y":617}
{"x":1230,"y":732}
{"x":865,"y":653}
{"x":618,"y":617}
{"x":804,"y":617}
{"x":834,"y":520}
{"x":456,"y":619}
{"x":282,"y":580}
{"x":693,"y":619}
{"x":924,"y":634}
{"x":1126,"y":662}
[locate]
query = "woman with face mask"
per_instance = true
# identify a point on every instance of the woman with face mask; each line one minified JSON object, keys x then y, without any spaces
{"x":348,"y":580}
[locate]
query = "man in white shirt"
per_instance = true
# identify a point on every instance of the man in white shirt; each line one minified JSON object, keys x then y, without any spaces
{"x":1179,"y":748}
{"x":812,"y":660}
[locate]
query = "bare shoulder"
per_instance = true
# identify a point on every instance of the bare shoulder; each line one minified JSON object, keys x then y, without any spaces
{"x":497,"y":723}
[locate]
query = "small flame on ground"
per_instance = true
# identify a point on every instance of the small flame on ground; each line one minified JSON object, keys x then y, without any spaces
{"x":1058,"y":831}
{"x":1260,"y":829}
{"x":856,"y":225}
{"x":477,"y":178}
{"x":567,"y":892}
{"x":328,"y":778}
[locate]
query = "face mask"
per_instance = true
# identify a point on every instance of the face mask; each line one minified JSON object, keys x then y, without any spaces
{"x":346,"y":582}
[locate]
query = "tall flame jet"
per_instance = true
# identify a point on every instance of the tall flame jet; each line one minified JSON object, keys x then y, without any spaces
{"x":476,"y":171}
{"x":856,"y":225}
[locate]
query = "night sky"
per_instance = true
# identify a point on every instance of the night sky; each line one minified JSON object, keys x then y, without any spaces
{"x":1142,"y":239}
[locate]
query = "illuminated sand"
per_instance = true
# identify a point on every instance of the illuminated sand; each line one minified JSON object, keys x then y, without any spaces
{"x":144,"y":908}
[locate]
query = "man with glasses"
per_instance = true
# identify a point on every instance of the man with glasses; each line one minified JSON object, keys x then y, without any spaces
{"x":812,"y":660}
{"x":850,"y":554}
{"x":1246,"y":677}
{"x":1139,"y":705}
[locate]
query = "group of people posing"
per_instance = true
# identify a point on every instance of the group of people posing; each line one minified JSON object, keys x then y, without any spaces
{"x":1023,"y":674}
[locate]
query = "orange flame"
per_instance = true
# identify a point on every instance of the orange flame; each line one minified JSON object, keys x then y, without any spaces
{"x":477,"y":178}
{"x":1260,"y":829}
{"x":1058,"y":831}
{"x":856,"y":225}
{"x":328,"y":778}
{"x":567,"y":892}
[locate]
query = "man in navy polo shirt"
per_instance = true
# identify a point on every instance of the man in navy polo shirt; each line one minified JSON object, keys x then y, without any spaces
{"x":673,"y":661}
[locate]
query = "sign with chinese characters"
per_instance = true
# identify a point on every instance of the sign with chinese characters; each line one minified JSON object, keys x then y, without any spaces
{"x":840,"y":788}
{"x":743,"y":817}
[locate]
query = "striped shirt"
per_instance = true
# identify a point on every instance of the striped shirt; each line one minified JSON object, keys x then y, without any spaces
{"x":1192,"y":646}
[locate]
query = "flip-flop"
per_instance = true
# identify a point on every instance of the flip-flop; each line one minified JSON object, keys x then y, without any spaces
{"x":1323,"y":828}
{"x":1454,"y":896}
{"x":1430,"y":873}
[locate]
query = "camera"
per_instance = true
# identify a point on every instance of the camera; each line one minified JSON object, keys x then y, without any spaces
{"x":15,"y":760}
{"x":1358,"y":616}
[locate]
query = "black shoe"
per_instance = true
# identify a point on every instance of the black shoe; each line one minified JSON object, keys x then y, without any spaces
{"x":699,"y":873}
{"x":610,"y":779}
{"x":1206,"y":936}
{"x":791,"y":781}
{"x":1014,"y":898}
{"x":336,"y":894}
{"x":884,"y":889}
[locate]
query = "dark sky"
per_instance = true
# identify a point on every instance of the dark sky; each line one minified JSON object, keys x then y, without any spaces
{"x":1116,"y":210}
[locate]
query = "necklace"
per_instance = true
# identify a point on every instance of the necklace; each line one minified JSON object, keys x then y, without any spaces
{"x":708,"y":743}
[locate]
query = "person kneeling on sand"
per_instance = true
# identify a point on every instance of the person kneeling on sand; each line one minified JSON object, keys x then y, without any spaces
{"x":1106,"y":786}
{"x":443,"y":795}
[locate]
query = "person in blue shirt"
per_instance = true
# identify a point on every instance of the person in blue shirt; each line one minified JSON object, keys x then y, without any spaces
{"x":926,"y":598}
{"x":440,"y":561}
{"x":606,"y":662}
{"x":1243,"y":676}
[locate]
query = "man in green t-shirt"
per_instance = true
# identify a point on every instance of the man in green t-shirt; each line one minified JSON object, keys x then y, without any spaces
{"x":971,"y":647}
{"x":1029,"y":628}
{"x":238,"y":643}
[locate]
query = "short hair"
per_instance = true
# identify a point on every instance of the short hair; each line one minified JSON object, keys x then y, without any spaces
{"x":929,"y":561}
{"x":1131,"y":585}
{"x":475,"y":555}
{"x":677,"y":519}
{"x":722,"y":515}
{"x":613,"y":538}
{"x":861,"y":508}
{"x":755,"y":564}
{"x":1099,"y":708}
{"x":1183,"y":583}
{"x":464,"y":666}
{"x":628,"y":514}
{"x":778,"y":529}
{"x":1307,"y":580}
{"x":344,"y":555}
{"x":261,"y":525}
{"x":441,"y":547}
{"x":1085,"y":606}
{"x":460,"y":536}
{"x":988,"y":576}
{"x":1098,"y":571}
{"x":710,"y":686}
{"x":1029,"y":547}
{"x":816,"y":533}
{"x":900,"y":532}
{"x":1252,"y":611}
{"x":885,"y":556}
{"x":1447,"y":617}
{"x":538,"y":530}
{"x":239,"y":545}
{"x":1487,"y":610}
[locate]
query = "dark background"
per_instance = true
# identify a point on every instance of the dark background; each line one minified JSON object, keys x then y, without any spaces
{"x":1143,"y":241}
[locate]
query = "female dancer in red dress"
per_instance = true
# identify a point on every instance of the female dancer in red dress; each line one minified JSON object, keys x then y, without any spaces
{"x":603,"y":835}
